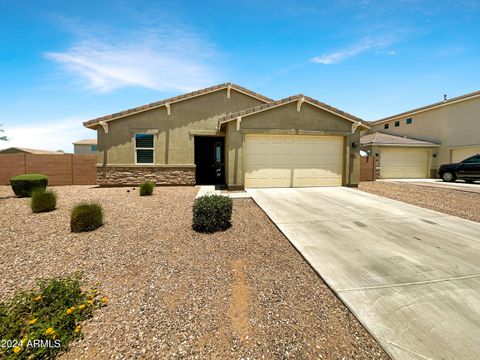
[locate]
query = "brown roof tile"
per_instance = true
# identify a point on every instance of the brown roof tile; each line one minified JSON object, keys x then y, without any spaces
{"x":379,"y":138}
{"x":95,"y":121}
{"x":275,"y":103}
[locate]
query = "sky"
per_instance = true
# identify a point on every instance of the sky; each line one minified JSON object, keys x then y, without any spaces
{"x":66,"y":62}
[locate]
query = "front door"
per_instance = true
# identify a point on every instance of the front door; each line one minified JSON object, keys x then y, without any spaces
{"x":209,"y":160}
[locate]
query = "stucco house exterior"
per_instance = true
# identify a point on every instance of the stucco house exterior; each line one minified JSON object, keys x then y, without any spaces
{"x":85,"y":147}
{"x":440,"y":133}
{"x":229,"y":135}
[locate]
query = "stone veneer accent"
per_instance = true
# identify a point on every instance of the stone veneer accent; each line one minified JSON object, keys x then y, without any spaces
{"x":135,"y":175}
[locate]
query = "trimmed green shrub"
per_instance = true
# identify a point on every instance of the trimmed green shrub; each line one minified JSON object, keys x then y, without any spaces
{"x":53,"y":312}
{"x":146,"y":188}
{"x":23,"y":185}
{"x":86,"y":217}
{"x":212,"y":213}
{"x":43,"y":200}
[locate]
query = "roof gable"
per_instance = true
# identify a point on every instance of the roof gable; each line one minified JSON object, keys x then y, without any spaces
{"x":175,"y":99}
{"x":300,"y":98}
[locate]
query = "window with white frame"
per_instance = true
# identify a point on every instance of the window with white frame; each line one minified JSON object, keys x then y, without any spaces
{"x":144,"y":149}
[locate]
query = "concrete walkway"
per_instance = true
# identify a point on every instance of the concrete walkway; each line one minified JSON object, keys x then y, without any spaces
{"x":459,"y":185}
{"x":410,"y":275}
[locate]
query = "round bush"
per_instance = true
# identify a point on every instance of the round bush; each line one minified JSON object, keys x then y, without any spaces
{"x":86,"y":217}
{"x":146,"y":188}
{"x":43,"y":200}
{"x":212,"y":213}
{"x":23,"y":185}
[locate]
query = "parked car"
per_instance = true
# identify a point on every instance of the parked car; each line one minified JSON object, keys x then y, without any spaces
{"x":468,"y":170}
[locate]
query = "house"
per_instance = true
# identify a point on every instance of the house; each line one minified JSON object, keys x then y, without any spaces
{"x":86,"y":146}
{"x":18,"y":150}
{"x":399,"y":156}
{"x":227,"y":134}
{"x":408,"y":143}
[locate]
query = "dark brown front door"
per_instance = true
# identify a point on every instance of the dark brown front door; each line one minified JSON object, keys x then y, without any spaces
{"x":209,"y":160}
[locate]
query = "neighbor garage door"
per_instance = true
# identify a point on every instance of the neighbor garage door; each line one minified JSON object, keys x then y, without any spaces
{"x":403,"y":163}
{"x":461,"y":154}
{"x":293,"y":160}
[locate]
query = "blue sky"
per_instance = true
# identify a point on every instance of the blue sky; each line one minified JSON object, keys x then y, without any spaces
{"x":64,"y":62}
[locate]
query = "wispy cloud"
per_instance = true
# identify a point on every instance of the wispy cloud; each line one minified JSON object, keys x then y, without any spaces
{"x":358,"y":48}
{"x":162,"y":59}
{"x":56,"y":135}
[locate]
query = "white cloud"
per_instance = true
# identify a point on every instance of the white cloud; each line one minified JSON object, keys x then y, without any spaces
{"x":157,"y":59}
{"x":353,"y":50}
{"x":57,"y":135}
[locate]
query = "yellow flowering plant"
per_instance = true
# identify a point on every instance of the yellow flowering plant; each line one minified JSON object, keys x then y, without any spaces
{"x":54,"y":312}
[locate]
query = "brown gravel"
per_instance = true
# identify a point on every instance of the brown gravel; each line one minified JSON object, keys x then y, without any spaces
{"x":448,"y":201}
{"x":174,"y":293}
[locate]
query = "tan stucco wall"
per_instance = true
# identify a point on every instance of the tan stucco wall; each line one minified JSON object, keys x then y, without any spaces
{"x":173,"y":142}
{"x":82,"y":149}
{"x":455,"y":125}
{"x":285,"y":119}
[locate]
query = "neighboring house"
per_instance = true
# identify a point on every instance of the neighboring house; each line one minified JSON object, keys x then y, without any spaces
{"x":451,"y":127}
{"x":17,"y":150}
{"x":85,"y":147}
{"x":226,"y":134}
{"x":398,"y":156}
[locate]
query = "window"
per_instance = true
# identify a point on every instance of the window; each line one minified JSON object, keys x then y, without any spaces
{"x":386,"y":126}
{"x":409,"y":121}
{"x":144,"y":149}
{"x":93,"y":148}
{"x":397,"y":123}
{"x":472,"y":160}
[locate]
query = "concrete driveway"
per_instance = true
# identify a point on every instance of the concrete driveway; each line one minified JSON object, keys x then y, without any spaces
{"x":438,"y":183}
{"x":410,"y":275}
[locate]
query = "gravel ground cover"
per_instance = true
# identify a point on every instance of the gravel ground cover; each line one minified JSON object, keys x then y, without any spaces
{"x":242,"y":293}
{"x":448,"y":201}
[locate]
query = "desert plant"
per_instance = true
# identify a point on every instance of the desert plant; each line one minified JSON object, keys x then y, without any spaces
{"x":86,"y":217}
{"x":146,"y":188}
{"x":23,"y":185}
{"x":212,"y":213}
{"x":52,"y":312}
{"x":43,"y":200}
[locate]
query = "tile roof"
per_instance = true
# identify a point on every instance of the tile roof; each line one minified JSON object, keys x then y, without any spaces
{"x":287,"y":100}
{"x":34,"y":151}
{"x":175,"y":99}
{"x":431,"y":106}
{"x":86,"y":142}
{"x":379,"y":138}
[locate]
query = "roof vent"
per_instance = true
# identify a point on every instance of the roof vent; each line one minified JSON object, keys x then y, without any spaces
{"x":444,"y":97}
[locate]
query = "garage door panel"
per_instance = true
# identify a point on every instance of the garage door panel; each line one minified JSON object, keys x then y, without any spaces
{"x":461,"y":154}
{"x":293,"y":160}
{"x":402,"y":163}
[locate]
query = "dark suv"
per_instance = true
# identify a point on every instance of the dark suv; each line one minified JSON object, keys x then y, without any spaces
{"x":468,"y":170}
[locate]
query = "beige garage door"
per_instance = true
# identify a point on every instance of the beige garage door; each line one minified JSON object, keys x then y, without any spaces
{"x":403,"y":163}
{"x":293,"y":160}
{"x":461,"y":154}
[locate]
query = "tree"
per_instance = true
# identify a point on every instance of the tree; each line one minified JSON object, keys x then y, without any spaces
{"x":4,"y":138}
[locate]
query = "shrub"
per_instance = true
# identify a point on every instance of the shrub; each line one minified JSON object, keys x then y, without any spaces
{"x":146,"y":188}
{"x":212,"y":213}
{"x":52,"y":313}
{"x":86,"y":217}
{"x":43,"y":200}
{"x":23,"y":185}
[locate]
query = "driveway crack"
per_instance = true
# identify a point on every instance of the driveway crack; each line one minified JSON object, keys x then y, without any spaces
{"x":410,"y":283}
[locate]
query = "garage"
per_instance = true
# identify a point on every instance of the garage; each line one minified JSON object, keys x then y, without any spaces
{"x":403,"y":163}
{"x":461,"y":154}
{"x":293,"y":160}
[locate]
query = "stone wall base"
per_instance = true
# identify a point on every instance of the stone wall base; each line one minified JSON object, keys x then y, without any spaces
{"x":134,"y":176}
